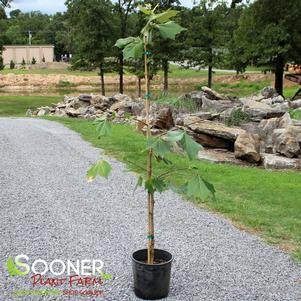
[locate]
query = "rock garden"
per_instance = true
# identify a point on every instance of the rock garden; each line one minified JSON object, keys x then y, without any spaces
{"x":257,"y":130}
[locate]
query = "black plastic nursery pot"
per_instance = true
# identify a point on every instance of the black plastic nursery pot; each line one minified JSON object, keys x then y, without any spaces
{"x":151,"y":281}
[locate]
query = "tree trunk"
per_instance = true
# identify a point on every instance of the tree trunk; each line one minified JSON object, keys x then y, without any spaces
{"x":121,"y":73}
{"x":139,"y":86}
{"x":165,"y":77}
{"x":102,"y":80}
{"x":279,"y":72}
{"x":210,"y":62}
{"x":150,"y":196}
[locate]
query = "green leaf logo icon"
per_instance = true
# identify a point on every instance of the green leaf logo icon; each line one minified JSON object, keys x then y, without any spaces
{"x":105,"y":276}
{"x":12,"y":270}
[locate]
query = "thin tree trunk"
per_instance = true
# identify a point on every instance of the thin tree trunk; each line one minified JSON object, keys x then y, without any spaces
{"x":150,"y":196}
{"x":279,"y":72}
{"x":165,"y":79}
{"x":139,"y":86}
{"x":102,"y":80}
{"x":121,"y":63}
{"x":210,"y":68}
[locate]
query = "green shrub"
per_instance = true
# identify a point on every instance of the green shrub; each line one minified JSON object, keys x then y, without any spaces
{"x":237,"y":117}
{"x":296,"y":114}
{"x":23,"y":64}
{"x":1,"y":63}
{"x":43,"y":59}
{"x":33,"y":61}
{"x":12,"y":65}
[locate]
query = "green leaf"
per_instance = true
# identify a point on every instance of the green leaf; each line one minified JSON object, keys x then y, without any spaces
{"x":121,"y":43}
{"x":12,"y":270}
{"x":133,"y":49}
{"x":101,"y":168}
{"x":144,"y":10}
{"x":165,"y":16}
{"x":159,"y":146}
{"x":169,"y":30}
{"x":166,"y":161}
{"x":103,"y":127}
{"x":174,"y":136}
{"x":139,"y":182}
{"x":190,"y":146}
{"x":149,"y":186}
{"x":198,"y":188}
{"x":160,"y":185}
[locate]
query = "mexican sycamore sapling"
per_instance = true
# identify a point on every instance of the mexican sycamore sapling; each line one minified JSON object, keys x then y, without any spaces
{"x":157,"y":147}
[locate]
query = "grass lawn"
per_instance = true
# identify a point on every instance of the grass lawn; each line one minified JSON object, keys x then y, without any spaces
{"x":263,"y":202}
{"x":18,"y":105}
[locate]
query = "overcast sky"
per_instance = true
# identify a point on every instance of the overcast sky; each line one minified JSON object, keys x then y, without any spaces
{"x":53,"y":6}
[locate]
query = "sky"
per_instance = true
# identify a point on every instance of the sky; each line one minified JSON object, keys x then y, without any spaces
{"x":53,"y":6}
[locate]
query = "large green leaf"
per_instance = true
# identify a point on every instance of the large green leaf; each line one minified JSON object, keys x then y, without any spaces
{"x":165,"y":16}
{"x":101,"y":168}
{"x":198,"y":188}
{"x":159,"y":146}
{"x":121,"y":43}
{"x":103,"y":127}
{"x":160,"y":185}
{"x":169,"y":30}
{"x":133,"y":49}
{"x":190,"y":146}
{"x":174,"y":136}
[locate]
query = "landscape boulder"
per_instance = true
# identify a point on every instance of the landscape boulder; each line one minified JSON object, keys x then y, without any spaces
{"x":164,"y":119}
{"x":287,"y":141}
{"x":247,"y":147}
{"x":217,"y":106}
{"x":212,"y":134}
{"x":269,"y":92}
{"x":271,"y":161}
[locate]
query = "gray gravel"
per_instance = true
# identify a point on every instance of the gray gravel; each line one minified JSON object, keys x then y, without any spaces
{"x":49,"y":211}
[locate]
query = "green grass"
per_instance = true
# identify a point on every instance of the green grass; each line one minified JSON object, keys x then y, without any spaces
{"x":18,"y":105}
{"x":261,"y":201}
{"x":296,"y":114}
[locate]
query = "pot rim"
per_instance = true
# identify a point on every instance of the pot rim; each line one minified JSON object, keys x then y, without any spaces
{"x":155,"y":264}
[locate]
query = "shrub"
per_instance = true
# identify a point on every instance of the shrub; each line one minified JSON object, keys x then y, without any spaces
{"x":1,"y":63}
{"x":23,"y":62}
{"x":43,"y":59}
{"x":12,"y":65}
{"x":237,"y":117}
{"x":296,"y":114}
{"x":33,"y":61}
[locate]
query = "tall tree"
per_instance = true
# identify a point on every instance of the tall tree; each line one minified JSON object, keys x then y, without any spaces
{"x":92,"y":23}
{"x":269,"y":34}
{"x":165,"y":51}
{"x":207,"y":35}
{"x":123,"y":9}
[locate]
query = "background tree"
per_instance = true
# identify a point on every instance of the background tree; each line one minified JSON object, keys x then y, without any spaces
{"x":123,"y":9}
{"x":207,"y":36}
{"x":269,"y":35}
{"x":92,"y":23}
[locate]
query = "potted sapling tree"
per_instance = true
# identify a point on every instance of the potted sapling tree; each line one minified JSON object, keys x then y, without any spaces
{"x":151,"y":266}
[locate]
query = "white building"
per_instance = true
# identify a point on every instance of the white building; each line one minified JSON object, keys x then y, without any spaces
{"x":17,"y":53}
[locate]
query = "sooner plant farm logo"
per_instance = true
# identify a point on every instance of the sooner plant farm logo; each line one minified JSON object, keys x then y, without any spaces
{"x":66,"y":276}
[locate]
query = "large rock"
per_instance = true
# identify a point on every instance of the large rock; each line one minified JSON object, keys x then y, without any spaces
{"x":164,"y":119}
{"x":247,"y":147}
{"x":267,"y":127}
{"x":269,"y":92}
{"x":287,"y":141}
{"x":217,"y":106}
{"x":126,"y":106}
{"x":85,"y":98}
{"x":195,"y":96}
{"x":258,"y":110}
{"x":102,"y":102}
{"x":212,"y":134}
{"x":43,"y":111}
{"x":295,"y":104}
{"x":73,"y":112}
{"x":213,"y":95}
{"x":271,"y":161}
{"x":120,"y":97}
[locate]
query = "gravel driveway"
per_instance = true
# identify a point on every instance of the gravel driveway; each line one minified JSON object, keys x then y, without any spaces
{"x":49,"y":211}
